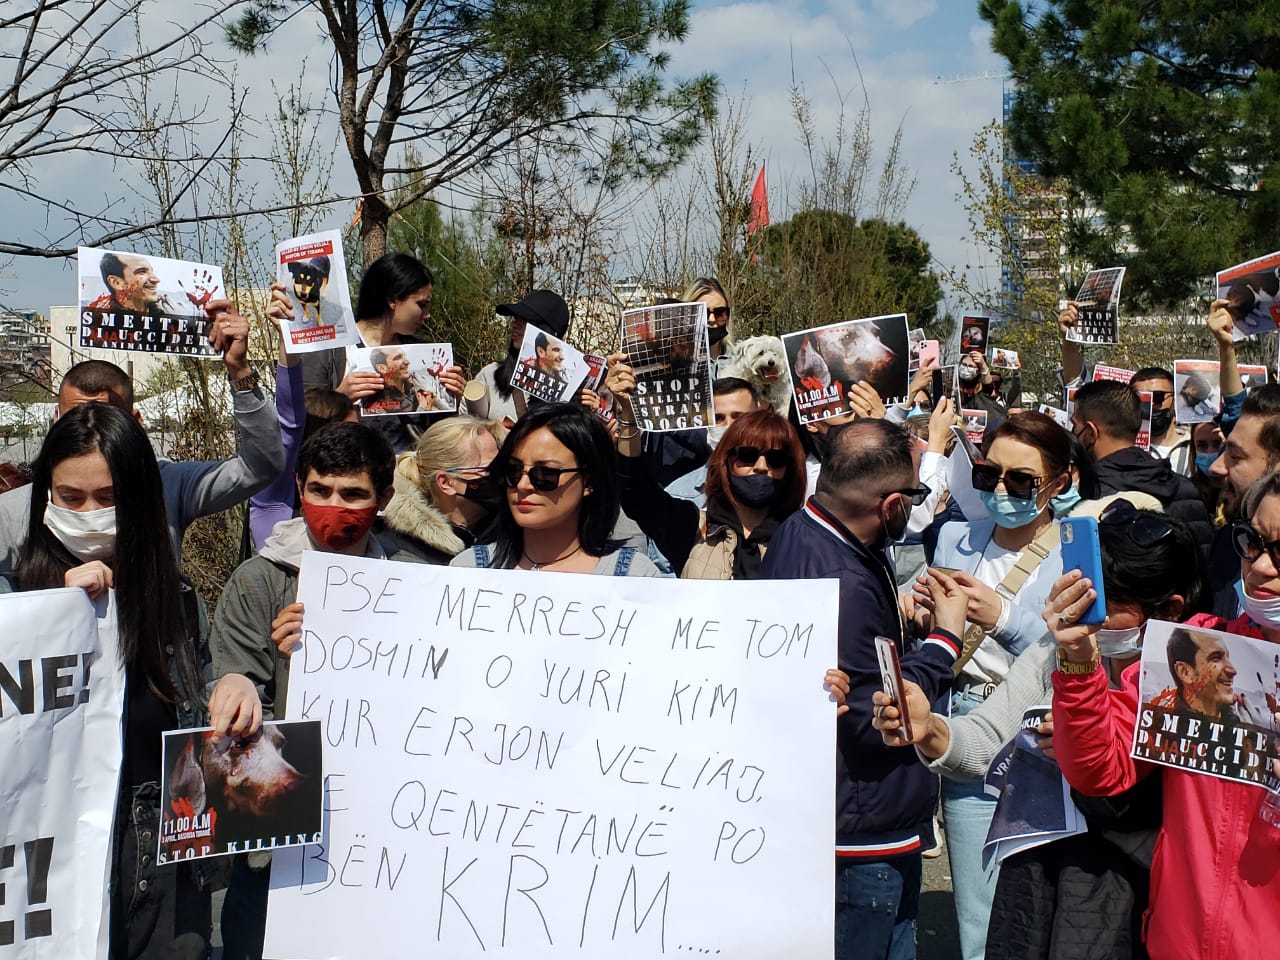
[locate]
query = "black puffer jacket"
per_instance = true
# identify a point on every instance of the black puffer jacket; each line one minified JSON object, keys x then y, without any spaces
{"x":1136,"y":469}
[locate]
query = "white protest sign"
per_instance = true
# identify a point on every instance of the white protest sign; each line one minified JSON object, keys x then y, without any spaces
{"x":61,"y":700}
{"x":547,"y":765}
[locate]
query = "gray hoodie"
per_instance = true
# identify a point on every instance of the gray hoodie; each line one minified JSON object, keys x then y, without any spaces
{"x":258,"y":590}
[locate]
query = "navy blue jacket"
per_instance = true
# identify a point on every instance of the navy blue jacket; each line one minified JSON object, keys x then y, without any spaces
{"x":884,"y":795}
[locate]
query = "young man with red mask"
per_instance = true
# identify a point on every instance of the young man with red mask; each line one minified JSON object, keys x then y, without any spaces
{"x":344,"y":475}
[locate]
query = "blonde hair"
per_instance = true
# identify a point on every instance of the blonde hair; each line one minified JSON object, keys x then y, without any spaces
{"x":703,"y":286}
{"x":446,"y":444}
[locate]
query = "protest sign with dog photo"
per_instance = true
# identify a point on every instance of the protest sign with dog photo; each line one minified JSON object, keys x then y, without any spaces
{"x":1005,"y":359}
{"x":146,"y":304}
{"x":1098,"y":304}
{"x":1252,"y":292}
{"x":239,"y":794}
{"x":1196,"y":395}
{"x":826,"y":361}
{"x":548,"y":368}
{"x":667,"y":348}
{"x":1207,"y":703}
{"x":314,"y":275}
{"x":410,"y":375}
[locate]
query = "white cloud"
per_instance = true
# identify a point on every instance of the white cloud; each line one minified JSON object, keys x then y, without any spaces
{"x":904,"y":13}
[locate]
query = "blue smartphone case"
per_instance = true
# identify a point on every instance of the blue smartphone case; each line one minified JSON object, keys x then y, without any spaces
{"x":1081,"y":551}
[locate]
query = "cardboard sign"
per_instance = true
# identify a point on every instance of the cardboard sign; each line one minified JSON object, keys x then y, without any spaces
{"x":543,"y":765}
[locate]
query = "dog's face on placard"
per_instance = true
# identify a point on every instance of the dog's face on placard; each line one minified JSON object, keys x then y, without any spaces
{"x":250,"y":774}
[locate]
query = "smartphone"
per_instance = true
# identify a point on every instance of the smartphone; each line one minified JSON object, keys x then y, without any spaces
{"x":1081,"y":551}
{"x":891,"y":678}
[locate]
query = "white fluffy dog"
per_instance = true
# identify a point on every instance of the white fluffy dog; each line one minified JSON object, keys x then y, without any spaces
{"x":762,"y":362}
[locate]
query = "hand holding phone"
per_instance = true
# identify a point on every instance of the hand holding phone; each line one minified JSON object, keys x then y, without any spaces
{"x":891,"y":678}
{"x":1081,"y":550}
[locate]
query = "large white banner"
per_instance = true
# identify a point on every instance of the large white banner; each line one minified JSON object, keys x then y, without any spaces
{"x":61,"y":700}
{"x":552,"y":765}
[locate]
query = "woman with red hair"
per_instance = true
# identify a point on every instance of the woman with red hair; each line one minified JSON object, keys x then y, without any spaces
{"x":755,"y":480}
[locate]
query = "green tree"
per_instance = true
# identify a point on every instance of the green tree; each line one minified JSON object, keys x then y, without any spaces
{"x":465,"y":80}
{"x":1162,"y":117}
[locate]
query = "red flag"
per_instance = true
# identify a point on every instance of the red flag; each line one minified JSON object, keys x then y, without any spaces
{"x":759,"y":204}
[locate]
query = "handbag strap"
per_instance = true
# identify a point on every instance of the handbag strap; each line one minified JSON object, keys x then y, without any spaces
{"x":1031,"y":556}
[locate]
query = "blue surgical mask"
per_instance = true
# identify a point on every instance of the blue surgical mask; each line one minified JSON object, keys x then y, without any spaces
{"x":1204,"y":461}
{"x":917,"y":411}
{"x":1009,"y":512}
{"x":1065,"y":501}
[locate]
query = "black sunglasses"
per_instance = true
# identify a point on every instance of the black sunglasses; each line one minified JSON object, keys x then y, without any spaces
{"x":1145,"y":529}
{"x":541,"y":477}
{"x":1017,"y":483}
{"x":748,"y":455}
{"x":918,"y":494}
{"x":1158,"y":397}
{"x":1250,"y":545}
{"x":720,"y":313}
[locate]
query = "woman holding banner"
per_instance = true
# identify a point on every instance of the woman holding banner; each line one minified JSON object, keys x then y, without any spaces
{"x":98,"y":522}
{"x":755,"y":479}
{"x":1215,"y":871}
{"x":558,"y":472}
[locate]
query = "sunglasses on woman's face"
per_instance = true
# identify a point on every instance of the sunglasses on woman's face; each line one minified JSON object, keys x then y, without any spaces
{"x":1021,"y":484}
{"x":747,"y":456}
{"x":721,"y":314}
{"x":1250,"y":545}
{"x":1145,"y":529}
{"x":541,"y":477}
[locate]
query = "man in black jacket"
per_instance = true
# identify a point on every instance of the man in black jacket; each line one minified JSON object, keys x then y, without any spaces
{"x":884,"y":796}
{"x":1106,"y":420}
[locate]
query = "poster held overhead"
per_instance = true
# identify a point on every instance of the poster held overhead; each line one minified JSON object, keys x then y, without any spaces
{"x":411,"y":378}
{"x":314,"y":274}
{"x":145,"y":304}
{"x":1197,"y":397}
{"x":1252,"y":292}
{"x":974,"y":332}
{"x":1098,"y":301}
{"x":826,"y":361}
{"x":667,"y":348}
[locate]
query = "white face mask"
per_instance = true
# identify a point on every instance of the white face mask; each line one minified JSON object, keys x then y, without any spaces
{"x":715,"y":434}
{"x":87,"y":534}
{"x":1263,"y":612}
{"x":1119,"y":643}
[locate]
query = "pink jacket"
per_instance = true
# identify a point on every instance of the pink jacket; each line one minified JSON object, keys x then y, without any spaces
{"x":1215,"y":876}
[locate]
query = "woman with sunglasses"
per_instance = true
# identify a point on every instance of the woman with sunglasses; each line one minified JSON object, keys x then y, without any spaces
{"x":557,"y":470}
{"x":1150,"y":570}
{"x":719,"y":329}
{"x":445,"y":497}
{"x":755,"y":479}
{"x":1215,"y":873}
{"x":1025,"y":465}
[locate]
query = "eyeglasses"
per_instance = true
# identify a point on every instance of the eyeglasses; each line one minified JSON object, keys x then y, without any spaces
{"x":541,"y":477}
{"x":1158,"y":397}
{"x":918,"y":494}
{"x":1020,"y":484}
{"x":719,"y":313}
{"x":480,"y":471}
{"x":1145,"y":529}
{"x":748,"y":456}
{"x":1250,"y":545}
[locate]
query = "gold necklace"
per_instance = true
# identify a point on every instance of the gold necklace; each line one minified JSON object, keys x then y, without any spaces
{"x":539,"y":566}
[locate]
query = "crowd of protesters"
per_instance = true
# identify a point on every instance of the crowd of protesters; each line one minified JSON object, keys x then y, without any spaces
{"x":1173,"y":865}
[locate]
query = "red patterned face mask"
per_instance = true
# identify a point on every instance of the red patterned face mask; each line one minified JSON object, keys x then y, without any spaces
{"x":338,"y":527}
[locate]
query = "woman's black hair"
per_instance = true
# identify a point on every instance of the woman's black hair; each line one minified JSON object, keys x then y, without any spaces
{"x":144,"y":566}
{"x":589,"y":442}
{"x":393,"y":276}
{"x":1150,"y":575}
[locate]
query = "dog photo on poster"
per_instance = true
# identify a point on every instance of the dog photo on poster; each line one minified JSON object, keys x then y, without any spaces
{"x":236,"y":794}
{"x":1098,"y":303}
{"x":827,"y":361}
{"x":314,"y":274}
{"x":1252,"y":292}
{"x":667,"y":348}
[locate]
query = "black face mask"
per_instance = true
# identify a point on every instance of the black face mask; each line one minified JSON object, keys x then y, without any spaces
{"x":716,"y":334}
{"x":485,"y":492}
{"x":1161,"y":421}
{"x":754,"y":490}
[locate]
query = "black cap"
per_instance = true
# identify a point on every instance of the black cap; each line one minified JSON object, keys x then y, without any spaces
{"x":544,"y":309}
{"x":318,"y":265}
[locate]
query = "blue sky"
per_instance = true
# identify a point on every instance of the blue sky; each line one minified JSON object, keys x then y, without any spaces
{"x":901,"y":46}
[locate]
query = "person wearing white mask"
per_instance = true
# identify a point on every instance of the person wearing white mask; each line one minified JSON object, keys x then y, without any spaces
{"x":1150,"y":570}
{"x":98,"y":522}
{"x":1215,"y":877}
